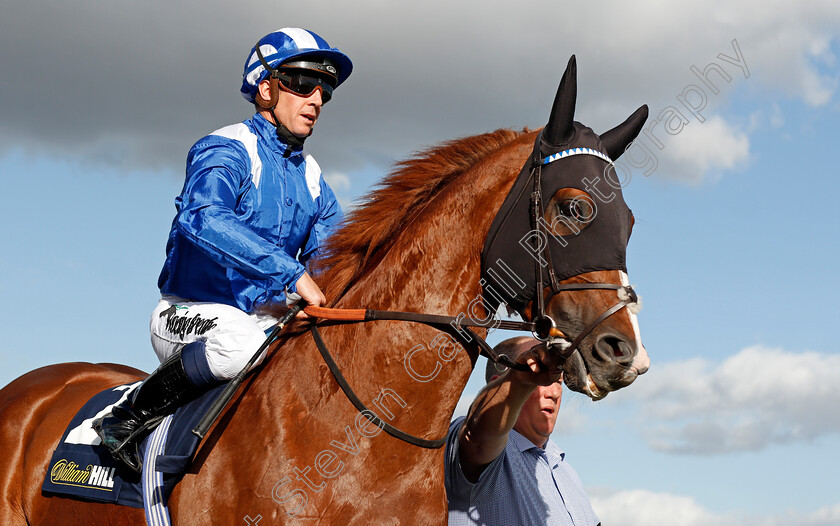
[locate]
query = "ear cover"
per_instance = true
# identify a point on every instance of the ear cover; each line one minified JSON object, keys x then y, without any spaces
{"x":560,"y":127}
{"x":617,"y":139}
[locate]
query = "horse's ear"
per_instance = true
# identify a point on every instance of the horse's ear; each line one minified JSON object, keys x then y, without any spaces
{"x":617,"y":139}
{"x":559,"y":129}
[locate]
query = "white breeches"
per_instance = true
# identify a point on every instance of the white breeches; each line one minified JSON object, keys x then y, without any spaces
{"x":230,"y":335}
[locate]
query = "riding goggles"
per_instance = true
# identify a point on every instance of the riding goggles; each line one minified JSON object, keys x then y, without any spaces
{"x":304,"y":84}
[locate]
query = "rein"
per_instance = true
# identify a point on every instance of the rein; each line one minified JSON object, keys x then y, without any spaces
{"x":459,"y":326}
{"x":361,"y":407}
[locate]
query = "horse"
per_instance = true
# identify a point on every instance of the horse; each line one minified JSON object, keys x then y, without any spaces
{"x":292,"y":448}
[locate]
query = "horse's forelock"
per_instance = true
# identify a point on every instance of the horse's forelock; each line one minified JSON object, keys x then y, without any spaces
{"x":373,"y":225}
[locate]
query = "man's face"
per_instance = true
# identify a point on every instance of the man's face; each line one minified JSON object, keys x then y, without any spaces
{"x":299,"y":113}
{"x":539,"y":414}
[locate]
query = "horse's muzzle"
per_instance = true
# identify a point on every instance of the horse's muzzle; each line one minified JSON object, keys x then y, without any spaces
{"x":611,"y":363}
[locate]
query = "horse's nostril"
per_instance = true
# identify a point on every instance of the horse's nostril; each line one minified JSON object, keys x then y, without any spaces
{"x":610,"y":348}
{"x":615,"y":345}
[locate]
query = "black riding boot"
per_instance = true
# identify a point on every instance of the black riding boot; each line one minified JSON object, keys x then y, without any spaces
{"x":165,"y":389}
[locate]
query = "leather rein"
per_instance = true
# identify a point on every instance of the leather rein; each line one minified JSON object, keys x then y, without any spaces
{"x":458,"y":326}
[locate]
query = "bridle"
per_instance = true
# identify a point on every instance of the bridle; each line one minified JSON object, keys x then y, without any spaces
{"x":543,"y":323}
{"x":542,"y":327}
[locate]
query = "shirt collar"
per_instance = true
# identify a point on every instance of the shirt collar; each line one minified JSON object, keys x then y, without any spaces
{"x":268,"y":133}
{"x":552,"y":451}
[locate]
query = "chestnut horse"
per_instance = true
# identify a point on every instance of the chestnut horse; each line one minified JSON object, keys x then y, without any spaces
{"x":291,"y":448}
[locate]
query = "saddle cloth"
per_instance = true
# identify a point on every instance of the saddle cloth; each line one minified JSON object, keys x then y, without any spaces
{"x":81,"y":467}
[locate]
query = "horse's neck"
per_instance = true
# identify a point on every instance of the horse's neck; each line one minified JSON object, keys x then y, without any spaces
{"x":433,"y":267}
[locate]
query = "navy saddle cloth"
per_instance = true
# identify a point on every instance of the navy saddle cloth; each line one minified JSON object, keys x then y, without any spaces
{"x":83,"y":468}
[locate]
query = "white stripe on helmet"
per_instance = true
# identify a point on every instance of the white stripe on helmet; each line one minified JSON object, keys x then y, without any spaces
{"x":267,"y":50}
{"x":303,"y":38}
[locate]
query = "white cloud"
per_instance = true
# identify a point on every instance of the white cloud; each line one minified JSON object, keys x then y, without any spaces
{"x":755,"y":398}
{"x":704,"y":148}
{"x":777,"y":119}
{"x":646,"y":508}
{"x":771,"y":117}
{"x":339,"y":182}
{"x":341,"y":186}
{"x":150,"y":98}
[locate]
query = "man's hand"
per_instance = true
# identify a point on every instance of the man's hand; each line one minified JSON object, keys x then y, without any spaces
{"x":310,"y":292}
{"x":545,"y":365}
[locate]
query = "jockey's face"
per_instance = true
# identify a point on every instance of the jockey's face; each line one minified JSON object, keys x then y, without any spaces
{"x":298,"y":113}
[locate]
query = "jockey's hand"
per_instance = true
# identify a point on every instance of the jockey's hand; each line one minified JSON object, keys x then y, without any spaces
{"x":310,"y":292}
{"x":546,"y":366}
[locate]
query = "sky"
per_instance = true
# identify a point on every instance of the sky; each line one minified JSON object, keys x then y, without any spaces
{"x":733,"y":186}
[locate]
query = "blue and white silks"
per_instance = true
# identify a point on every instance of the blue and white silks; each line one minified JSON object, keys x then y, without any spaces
{"x":248,"y":219}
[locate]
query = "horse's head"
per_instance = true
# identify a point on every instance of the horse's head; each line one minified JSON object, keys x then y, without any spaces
{"x":556,"y":249}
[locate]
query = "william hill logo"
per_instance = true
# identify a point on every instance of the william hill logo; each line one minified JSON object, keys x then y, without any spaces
{"x":69,"y":473}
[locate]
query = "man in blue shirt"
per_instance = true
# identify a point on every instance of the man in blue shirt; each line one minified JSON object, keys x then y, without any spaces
{"x":501,"y":468}
{"x":253,"y":212}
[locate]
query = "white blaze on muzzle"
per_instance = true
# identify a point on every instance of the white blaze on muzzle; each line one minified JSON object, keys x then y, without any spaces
{"x":641,"y":362}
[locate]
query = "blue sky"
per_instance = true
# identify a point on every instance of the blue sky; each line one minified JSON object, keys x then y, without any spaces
{"x":734,"y":251}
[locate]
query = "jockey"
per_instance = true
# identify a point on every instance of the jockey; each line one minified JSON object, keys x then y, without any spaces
{"x":253,"y":211}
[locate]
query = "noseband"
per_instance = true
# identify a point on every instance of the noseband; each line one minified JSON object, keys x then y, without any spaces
{"x":543,"y":323}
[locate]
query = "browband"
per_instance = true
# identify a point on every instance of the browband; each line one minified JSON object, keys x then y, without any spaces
{"x":574,"y":151}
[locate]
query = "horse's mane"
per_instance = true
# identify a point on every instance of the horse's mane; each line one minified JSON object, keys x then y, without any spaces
{"x":393,"y":203}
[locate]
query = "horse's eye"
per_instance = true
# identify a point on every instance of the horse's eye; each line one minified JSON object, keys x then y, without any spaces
{"x":571,"y":208}
{"x":569,"y":211}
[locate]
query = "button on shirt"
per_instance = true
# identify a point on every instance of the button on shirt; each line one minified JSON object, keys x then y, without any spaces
{"x":525,"y":485}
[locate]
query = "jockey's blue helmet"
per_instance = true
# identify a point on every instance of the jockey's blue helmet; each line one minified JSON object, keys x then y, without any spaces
{"x":293,"y":47}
